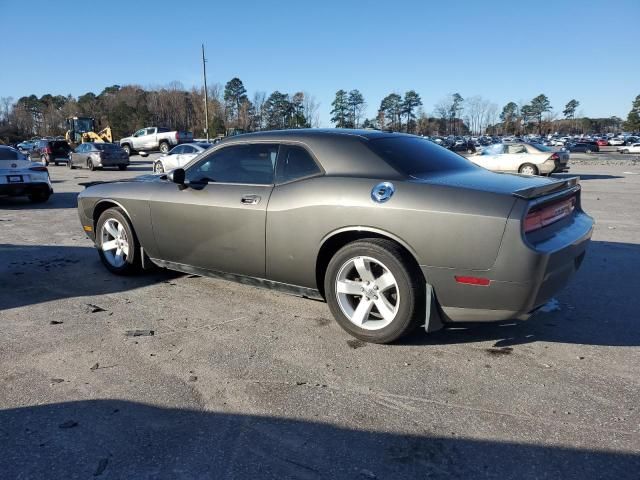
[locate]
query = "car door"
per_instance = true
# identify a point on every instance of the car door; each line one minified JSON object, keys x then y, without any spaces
{"x":149,"y":139}
{"x":218,"y":221}
{"x":513,"y":157}
{"x":172,"y":159}
{"x":137,"y":139}
{"x":189,"y":152}
{"x":489,"y":158}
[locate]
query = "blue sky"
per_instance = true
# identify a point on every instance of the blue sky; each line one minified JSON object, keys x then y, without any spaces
{"x":502,"y":50}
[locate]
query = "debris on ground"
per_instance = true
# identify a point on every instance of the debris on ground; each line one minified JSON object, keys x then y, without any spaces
{"x":356,"y":343}
{"x":102,"y":466}
{"x":95,"y":366}
{"x":68,"y":424}
{"x":57,"y":380}
{"x":367,"y":473}
{"x":193,"y":378}
{"x":95,"y":308}
{"x":55,"y":322}
{"x":499,"y":350}
{"x":140,"y":333}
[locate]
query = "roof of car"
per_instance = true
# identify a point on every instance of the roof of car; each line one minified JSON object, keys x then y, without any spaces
{"x":305,"y":133}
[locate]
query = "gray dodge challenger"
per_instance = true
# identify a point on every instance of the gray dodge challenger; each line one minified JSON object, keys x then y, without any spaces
{"x":390,"y":229}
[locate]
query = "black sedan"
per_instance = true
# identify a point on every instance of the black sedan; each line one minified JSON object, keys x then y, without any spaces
{"x":583,"y":147}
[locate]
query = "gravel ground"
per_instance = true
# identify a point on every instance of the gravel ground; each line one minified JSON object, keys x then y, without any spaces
{"x":238,"y":382}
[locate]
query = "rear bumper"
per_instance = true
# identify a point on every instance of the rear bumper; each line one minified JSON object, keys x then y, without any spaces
{"x":18,"y":189}
{"x":522,"y":280}
{"x":113,"y":162}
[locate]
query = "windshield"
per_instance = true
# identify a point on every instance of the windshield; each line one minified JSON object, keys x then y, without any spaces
{"x":541,"y":147}
{"x":107,"y":147}
{"x":413,"y":156}
{"x":83,"y":125}
{"x":204,"y":145}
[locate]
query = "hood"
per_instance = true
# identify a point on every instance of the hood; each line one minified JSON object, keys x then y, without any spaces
{"x":141,"y":178}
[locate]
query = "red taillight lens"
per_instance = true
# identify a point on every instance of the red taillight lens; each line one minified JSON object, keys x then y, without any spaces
{"x":555,"y":156}
{"x":550,"y":214}
{"x":178,"y":136}
{"x":39,"y":169}
{"x":47,"y":150}
{"x":478,"y":281}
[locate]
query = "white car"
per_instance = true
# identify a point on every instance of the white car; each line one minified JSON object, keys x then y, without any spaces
{"x":524,"y":158}
{"x":20,"y":176}
{"x":633,"y":148}
{"x":616,"y":142}
{"x":179,"y":156}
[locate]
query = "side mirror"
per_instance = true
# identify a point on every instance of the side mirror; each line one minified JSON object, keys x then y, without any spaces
{"x":177,"y":176}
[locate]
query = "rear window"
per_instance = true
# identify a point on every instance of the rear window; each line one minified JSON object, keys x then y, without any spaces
{"x":60,"y":145}
{"x":414,"y":156}
{"x":9,"y":154}
{"x":107,"y":147}
{"x":163,"y":130}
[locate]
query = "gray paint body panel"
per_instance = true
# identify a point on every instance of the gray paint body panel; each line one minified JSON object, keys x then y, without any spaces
{"x":465,"y":222}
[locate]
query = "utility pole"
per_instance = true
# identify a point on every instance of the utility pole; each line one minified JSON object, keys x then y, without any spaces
{"x":206,"y":94}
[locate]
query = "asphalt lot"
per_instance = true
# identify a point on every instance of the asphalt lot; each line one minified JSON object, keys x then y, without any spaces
{"x":238,"y":382}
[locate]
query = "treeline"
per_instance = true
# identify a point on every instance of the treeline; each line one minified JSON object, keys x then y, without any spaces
{"x":128,"y":108}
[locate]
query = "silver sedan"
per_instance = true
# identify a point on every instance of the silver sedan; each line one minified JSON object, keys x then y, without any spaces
{"x":179,"y":156}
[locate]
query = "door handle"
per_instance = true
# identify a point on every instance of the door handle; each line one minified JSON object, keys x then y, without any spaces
{"x":250,"y":199}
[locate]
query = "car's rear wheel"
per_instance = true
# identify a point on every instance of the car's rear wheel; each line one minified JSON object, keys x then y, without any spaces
{"x":374,"y":291}
{"x":528,"y":169}
{"x":625,"y":151}
{"x":164,"y":147}
{"x":127,"y":149}
{"x":587,"y":150}
{"x":158,"y":167}
{"x":117,"y":243}
{"x":122,"y":167}
{"x":90,"y":165}
{"x":71,"y":165}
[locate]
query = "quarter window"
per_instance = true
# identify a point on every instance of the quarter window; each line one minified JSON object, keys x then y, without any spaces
{"x":295,"y":162}
{"x":252,"y":164}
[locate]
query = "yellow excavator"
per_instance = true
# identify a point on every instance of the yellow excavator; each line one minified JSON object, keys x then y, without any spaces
{"x":82,"y":129}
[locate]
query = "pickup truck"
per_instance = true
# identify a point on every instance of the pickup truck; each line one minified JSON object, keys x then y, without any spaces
{"x":154,"y":138}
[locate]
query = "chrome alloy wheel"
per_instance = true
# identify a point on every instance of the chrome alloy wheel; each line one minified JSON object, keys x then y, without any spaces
{"x":527,"y":170}
{"x":115,"y":244}
{"x":158,"y":167}
{"x":367,"y":293}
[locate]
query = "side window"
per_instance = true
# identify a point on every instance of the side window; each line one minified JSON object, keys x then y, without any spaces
{"x":188,"y":149}
{"x":139,"y":133}
{"x":516,"y":149}
{"x":295,"y":162}
{"x":236,"y":164}
{"x":178,"y":150}
{"x":150,"y":131}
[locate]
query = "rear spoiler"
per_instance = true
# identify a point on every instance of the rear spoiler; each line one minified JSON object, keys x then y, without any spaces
{"x":549,"y":188}
{"x":91,"y":184}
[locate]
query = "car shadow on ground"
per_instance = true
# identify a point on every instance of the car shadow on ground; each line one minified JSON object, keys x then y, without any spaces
{"x":35,"y":274}
{"x":598,"y":307}
{"x":122,"y":439}
{"x":56,"y":200}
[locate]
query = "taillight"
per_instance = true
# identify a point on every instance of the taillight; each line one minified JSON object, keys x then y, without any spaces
{"x":547,"y":215}
{"x":178,"y":136}
{"x":39,"y":169}
{"x":555,"y":156}
{"x":47,"y":150}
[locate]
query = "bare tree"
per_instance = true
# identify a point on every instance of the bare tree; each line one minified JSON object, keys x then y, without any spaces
{"x":311,"y":107}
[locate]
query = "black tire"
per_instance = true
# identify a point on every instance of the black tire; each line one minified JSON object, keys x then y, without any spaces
{"x":132,"y":263}
{"x":122,"y":167}
{"x":56,"y":163}
{"x":625,"y":151}
{"x":525,"y":166}
{"x":410,"y":284}
{"x":158,"y":167}
{"x":39,"y":197}
{"x":127,"y":149}
{"x":164,"y":147}
{"x":587,"y":150}
{"x":71,"y":165}
{"x":91,"y":166}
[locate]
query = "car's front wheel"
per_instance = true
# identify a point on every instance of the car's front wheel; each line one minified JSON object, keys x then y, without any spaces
{"x":117,"y":243}
{"x":127,"y":149}
{"x":374,"y":291}
{"x":122,"y":167}
{"x":164,"y":147}
{"x":158,"y":167}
